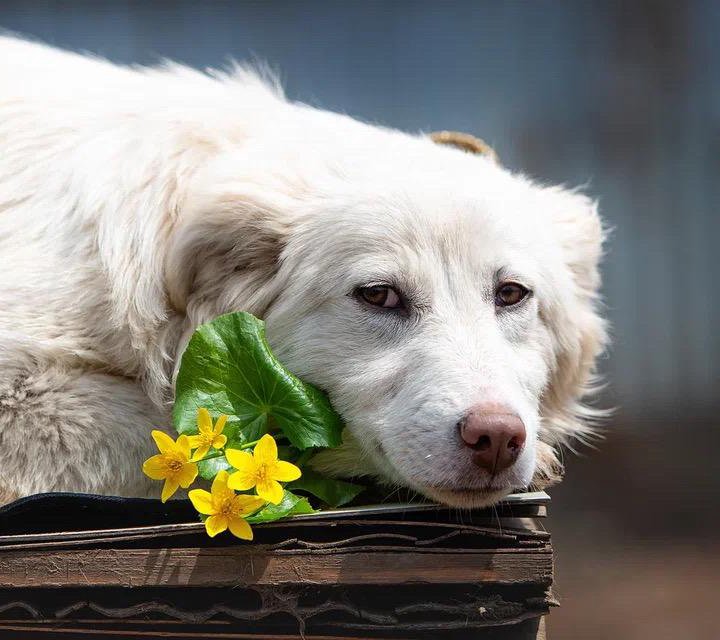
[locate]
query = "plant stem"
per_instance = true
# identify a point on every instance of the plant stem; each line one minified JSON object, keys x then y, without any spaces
{"x":220,"y":454}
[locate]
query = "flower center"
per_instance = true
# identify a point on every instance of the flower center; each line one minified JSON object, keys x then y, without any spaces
{"x":174,"y":464}
{"x":262,"y":473}
{"x":226,"y":508}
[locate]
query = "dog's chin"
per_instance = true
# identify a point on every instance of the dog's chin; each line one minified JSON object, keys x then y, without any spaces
{"x":466,"y":498}
{"x":459,"y":497}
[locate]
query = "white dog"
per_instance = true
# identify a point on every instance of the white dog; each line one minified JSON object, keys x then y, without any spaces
{"x":448,"y":306}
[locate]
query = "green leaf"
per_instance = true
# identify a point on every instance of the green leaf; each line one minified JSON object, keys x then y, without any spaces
{"x":208,"y":469}
{"x":332,"y":492}
{"x":291,"y":505}
{"x":228,"y":368}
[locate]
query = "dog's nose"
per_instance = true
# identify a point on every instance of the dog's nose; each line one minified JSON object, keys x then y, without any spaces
{"x":495,"y":433}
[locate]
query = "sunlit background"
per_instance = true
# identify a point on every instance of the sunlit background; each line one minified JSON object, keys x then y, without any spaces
{"x":622,"y":97}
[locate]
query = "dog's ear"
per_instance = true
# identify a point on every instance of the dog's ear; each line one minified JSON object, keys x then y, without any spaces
{"x":224,"y":255}
{"x":578,"y":330}
{"x":581,"y":235}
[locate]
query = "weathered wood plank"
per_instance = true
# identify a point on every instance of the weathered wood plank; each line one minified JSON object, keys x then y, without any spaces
{"x":530,"y":629}
{"x":24,"y":631}
{"x":242,"y":566}
{"x":365,"y":574}
{"x":515,"y":528}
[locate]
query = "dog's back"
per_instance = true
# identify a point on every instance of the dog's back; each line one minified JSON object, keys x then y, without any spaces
{"x":95,"y":159}
{"x":86,"y":148}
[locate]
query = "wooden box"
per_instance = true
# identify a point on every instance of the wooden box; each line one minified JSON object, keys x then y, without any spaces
{"x":110,"y":567}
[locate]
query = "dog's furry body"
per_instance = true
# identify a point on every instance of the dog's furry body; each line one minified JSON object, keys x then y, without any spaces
{"x":137,"y":203}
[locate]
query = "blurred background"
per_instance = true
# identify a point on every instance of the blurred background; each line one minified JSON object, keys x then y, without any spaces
{"x":622,"y":97}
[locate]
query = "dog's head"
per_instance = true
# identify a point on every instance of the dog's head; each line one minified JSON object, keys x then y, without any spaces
{"x":447,"y":306}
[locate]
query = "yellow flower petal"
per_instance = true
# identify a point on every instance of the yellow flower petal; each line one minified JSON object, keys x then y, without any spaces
{"x":155,"y":467}
{"x":266,"y":450}
{"x":241,"y":481}
{"x":286,"y":471}
{"x":195,"y":441}
{"x":220,"y":483}
{"x":202,"y":501}
{"x":220,"y":425}
{"x":219,"y":441}
{"x":200,"y":453}
{"x":215,"y":525}
{"x":163,"y":441}
{"x":270,"y":490}
{"x":204,"y":421}
{"x":244,"y":505}
{"x":246,"y":475}
{"x":183,"y":446}
{"x":169,"y":488}
{"x":187,"y":474}
{"x":240,"y":529}
{"x":240,"y":459}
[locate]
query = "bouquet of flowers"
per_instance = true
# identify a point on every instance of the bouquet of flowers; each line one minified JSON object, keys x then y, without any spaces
{"x":250,"y":427}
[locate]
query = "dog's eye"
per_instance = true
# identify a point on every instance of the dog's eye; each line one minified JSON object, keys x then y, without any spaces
{"x":510,"y":293}
{"x":380,"y":296}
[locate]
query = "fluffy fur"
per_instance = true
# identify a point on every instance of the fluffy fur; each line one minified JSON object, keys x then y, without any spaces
{"x":137,"y":203}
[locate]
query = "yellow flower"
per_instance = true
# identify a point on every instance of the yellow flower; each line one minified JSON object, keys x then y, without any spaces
{"x":172,"y":464}
{"x":261,"y":469}
{"x":208,"y":436}
{"x":224,"y":508}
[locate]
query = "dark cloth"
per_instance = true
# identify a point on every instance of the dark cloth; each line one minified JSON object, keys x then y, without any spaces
{"x":54,"y":512}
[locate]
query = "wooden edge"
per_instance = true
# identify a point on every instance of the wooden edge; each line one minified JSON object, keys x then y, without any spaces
{"x":51,"y":629}
{"x":538,"y":499}
{"x":530,"y":628}
{"x":245,"y":565}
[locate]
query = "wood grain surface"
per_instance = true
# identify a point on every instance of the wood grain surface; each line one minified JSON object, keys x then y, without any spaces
{"x":241,"y":566}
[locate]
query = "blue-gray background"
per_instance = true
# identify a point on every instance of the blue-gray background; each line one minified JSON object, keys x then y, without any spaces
{"x":623,"y":97}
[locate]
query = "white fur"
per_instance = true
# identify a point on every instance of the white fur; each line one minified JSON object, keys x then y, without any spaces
{"x":137,"y":203}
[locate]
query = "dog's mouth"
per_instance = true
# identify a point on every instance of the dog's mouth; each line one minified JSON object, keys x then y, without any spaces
{"x":467,"y":497}
{"x":452,"y":495}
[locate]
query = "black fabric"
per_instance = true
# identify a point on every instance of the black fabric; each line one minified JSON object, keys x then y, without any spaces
{"x":53,"y":512}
